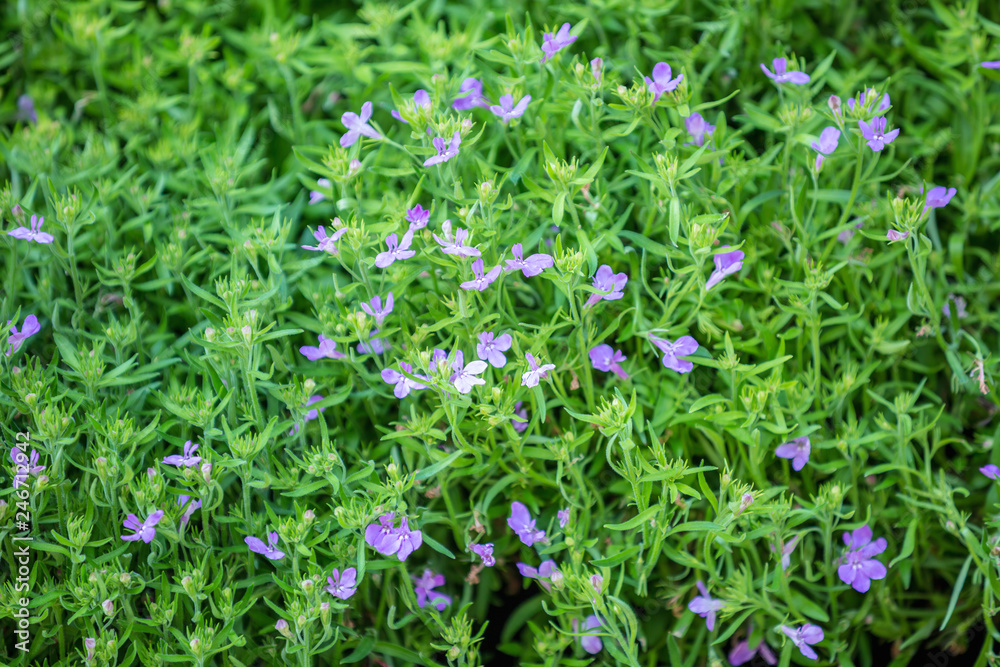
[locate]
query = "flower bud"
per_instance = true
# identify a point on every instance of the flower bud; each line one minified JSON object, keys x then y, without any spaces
{"x":597,"y":66}
{"x":282,"y":627}
{"x":108,"y":606}
{"x":90,"y":644}
{"x":210,"y":334}
{"x":307,"y":586}
{"x":834,"y":104}
{"x":308,"y":516}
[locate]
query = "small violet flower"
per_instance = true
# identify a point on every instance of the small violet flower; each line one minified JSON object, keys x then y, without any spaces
{"x":563,"y":516}
{"x":590,"y":641}
{"x":742,"y":654}
{"x":726,"y":263}
{"x":29,"y":328}
{"x":185,"y":460}
{"x":698,"y":128}
{"x":520,"y":522}
{"x":358,"y":125}
{"x":424,"y":588}
{"x":455,"y":246}
{"x":403,"y":384}
{"x":374,"y":345}
{"x":326,"y":243}
{"x":875,"y":133}
{"x":682,"y":347}
{"x":536,"y":373}
{"x":661,"y":81}
{"x":144,"y":530}
{"x":26,"y":109}
{"x":389,"y":540}
{"x":418,"y":217}
{"x":781,"y":75}
{"x":991,"y":470}
{"x":797,"y":450}
{"x":606,"y":280}
{"x":803,"y":636}
{"x":26,"y":465}
{"x":481,"y":281}
{"x":315,"y":196}
{"x":269,"y":550}
{"x":828,"y":140}
{"x":530,"y":267}
{"x":520,"y":418}
{"x":311,"y":414}
{"x":961,"y":313}
{"x":507,"y":110}
{"x":484,"y":551}
{"x":474,"y":98}
{"x":860,"y":566}
{"x":705,"y":606}
{"x":191,"y":508}
{"x":606,"y":358}
{"x":491,"y":348}
{"x":893,"y":235}
{"x":938,"y":197}
{"x":397,"y":250}
{"x":466,"y":378}
{"x":444,"y":152}
{"x":342,"y":584}
{"x":553,"y":43}
{"x":786,"y":551}
{"x":543,"y":573}
{"x":420,"y":99}
{"x":35,"y":233}
{"x":374,"y":308}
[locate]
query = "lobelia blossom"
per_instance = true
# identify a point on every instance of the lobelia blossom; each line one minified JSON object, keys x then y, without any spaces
{"x":605,"y":358}
{"x":875,"y":134}
{"x":938,"y":197}
{"x":26,"y":109}
{"x":455,"y":246}
{"x":418,"y":217}
{"x":606,"y":280}
{"x":543,"y":574}
{"x":698,"y":128}
{"x":398,"y":249}
{"x":143,"y":530}
{"x":782,"y":75}
{"x":389,"y":540}
{"x":990,"y":64}
{"x":507,"y":110}
{"x":16,"y":339}
{"x":484,"y":551}
{"x":342,"y":584}
{"x":326,"y":243}
{"x":530,"y":267}
{"x":357,"y":126}
{"x":34,"y":233}
{"x":520,"y":522}
{"x":191,"y":508}
{"x":520,"y":418}
{"x":374,"y":308}
{"x":554,"y":43}
{"x":185,"y":460}
{"x":590,"y":641}
{"x":374,"y":345}
{"x":661,"y":81}
{"x":705,"y":606}
{"x":315,"y":196}
{"x":491,"y":348}
{"x":742,"y":653}
{"x":726,"y":263}
{"x":991,"y":470}
{"x":860,"y":566}
{"x":269,"y":550}
{"x":481,"y":281}
{"x":26,"y":465}
{"x":803,"y":636}
{"x":410,"y":540}
{"x":424,"y":588}
{"x":403,"y":384}
{"x":797,"y":450}
{"x":682,"y":347}
{"x":311,"y":414}
{"x":786,"y":551}
{"x":848,"y":234}
{"x":327,"y":349}
{"x":90,"y":644}
{"x":474,"y":98}
{"x":961,"y":313}
{"x":536,"y":373}
{"x":828,"y":140}
{"x":420,"y":99}
{"x":563,"y":516}
{"x":444,"y":152}
{"x":893,"y":235}
{"x":466,"y":378}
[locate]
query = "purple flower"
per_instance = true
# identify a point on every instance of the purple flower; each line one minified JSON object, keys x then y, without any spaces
{"x":269,"y":550}
{"x":607,"y":359}
{"x":185,"y":460}
{"x":374,"y":345}
{"x":520,"y":418}
{"x":661,"y":81}
{"x":991,"y":470}
{"x":484,"y":551}
{"x":410,"y":540}
{"x":543,"y":573}
{"x":828,"y":140}
{"x":455,"y":246}
{"x":596,"y":65}
{"x":726,"y":263}
{"x":506,"y":110}
{"x":893,"y":235}
{"x":403,"y":384}
{"x":859,"y":100}
{"x":698,"y":128}
{"x":786,"y":551}
{"x":342,"y":585}
{"x":492,"y":348}
{"x":552,"y":44}
{"x":520,"y":522}
{"x":26,"y":109}
{"x":424,"y":588}
{"x":358,"y":125}
{"x":397,"y":250}
{"x":875,"y":134}
{"x":860,"y":566}
{"x":781,"y":75}
{"x":606,"y":280}
{"x":536,"y":373}
{"x":90,"y":644}
{"x":315,"y":196}
{"x":848,"y":234}
{"x":417,"y":217}
{"x":144,"y":530}
{"x":29,"y":328}
{"x":444,"y":153}
{"x":375,"y":309}
{"x":563,"y":516}
{"x":383,"y":536}
{"x":26,"y":465}
{"x":481,"y":281}
{"x":590,"y":641}
{"x":35,"y":233}
{"x":327,"y":350}
{"x":530,"y":267}
{"x":326,"y":243}
{"x":191,"y":508}
{"x":705,"y":606}
{"x":311,"y":414}
{"x":474,"y":98}
{"x":466,"y":378}
{"x":797,"y":450}
{"x":682,"y":347}
{"x":420,"y":99}
{"x":961,"y":313}
{"x":742,"y":653}
{"x":803,"y":636}
{"x":938,"y":197}
{"x":990,"y":64}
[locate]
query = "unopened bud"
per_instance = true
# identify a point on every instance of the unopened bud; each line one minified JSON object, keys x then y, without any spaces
{"x":108,"y":606}
{"x":282,"y":627}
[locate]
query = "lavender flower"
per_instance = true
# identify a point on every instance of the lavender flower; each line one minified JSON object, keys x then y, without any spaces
{"x":269,"y":550}
{"x":797,"y":450}
{"x":781,"y":75}
{"x":484,"y":551}
{"x":326,"y":243}
{"x":315,"y":196}
{"x":383,"y":536}
{"x":466,"y":378}
{"x":424,"y":588}
{"x":311,"y":414}
{"x":553,"y":43}
{"x":860,"y":566}
{"x":961,"y":313}
{"x":606,"y":280}
{"x":893,"y":235}
{"x":563,"y":516}
{"x":420,"y":99}
{"x":803,"y":636}
{"x":491,"y":348}
{"x":481,"y":281}
{"x":607,"y":359}
{"x":26,"y":109}
{"x":358,"y":125}
{"x":590,"y":641}
{"x":520,"y":522}
{"x":742,"y":654}
{"x":786,"y":551}
{"x":144,"y":530}
{"x":990,"y":64}
{"x":543,"y":574}
{"x":327,"y":350}
{"x":374,"y":345}
{"x":991,"y":470}
{"x":35,"y":233}
{"x":530,"y":267}
{"x":410,"y":540}
{"x":185,"y":460}
{"x":705,"y":606}
{"x":938,"y":197}
{"x":875,"y":134}
{"x":506,"y":109}
{"x":444,"y":153}
{"x":661,"y":81}
{"x":16,"y":339}
{"x":403,"y":384}
{"x":828,"y":140}
{"x":520,"y":418}
{"x":342,"y":585}
{"x":374,"y":308}
{"x":474,"y":98}
{"x":596,"y":65}
{"x":682,"y":347}
{"x":191,"y":508}
{"x":397,"y":250}
{"x":698,"y":128}
{"x":417,"y":217}
{"x":726,"y":263}
{"x":26,"y":465}
{"x":536,"y":373}
{"x":455,"y":246}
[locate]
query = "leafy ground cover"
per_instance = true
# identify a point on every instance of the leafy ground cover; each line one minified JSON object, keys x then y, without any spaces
{"x":499,"y":332}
